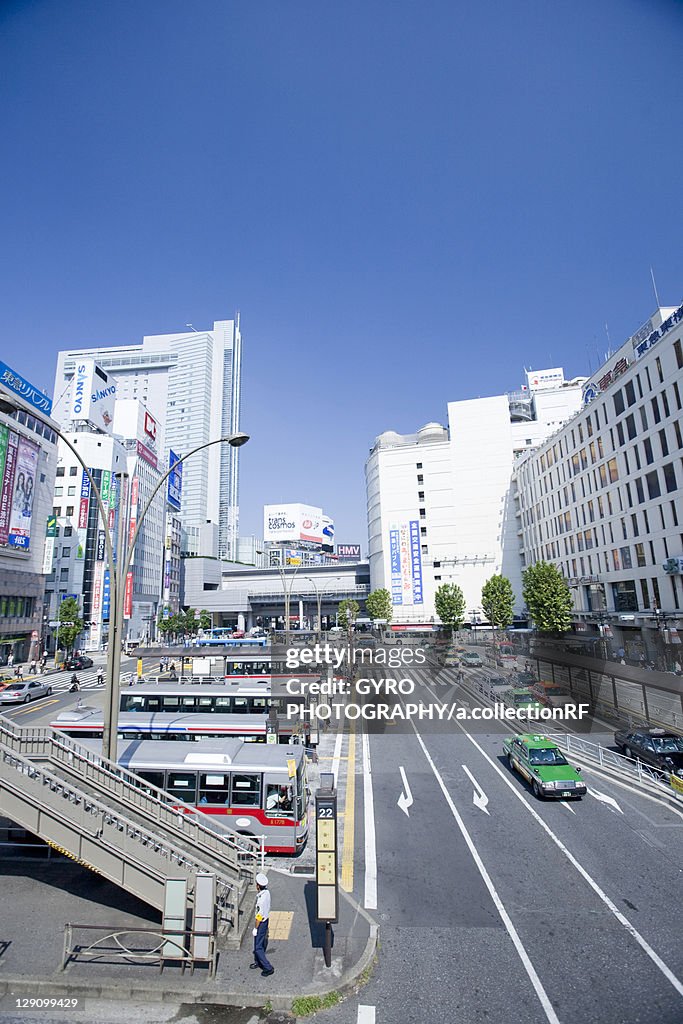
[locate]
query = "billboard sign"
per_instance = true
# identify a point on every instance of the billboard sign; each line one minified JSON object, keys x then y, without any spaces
{"x":24,"y":493}
{"x":13,"y":381}
{"x":175,"y":481}
{"x":93,"y":395}
{"x":293,"y":522}
{"x":328,"y":534}
{"x":405,"y":562}
{"x":348,"y":552}
{"x":106,"y":595}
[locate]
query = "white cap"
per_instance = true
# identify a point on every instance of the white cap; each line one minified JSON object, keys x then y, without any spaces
{"x":262,"y":879}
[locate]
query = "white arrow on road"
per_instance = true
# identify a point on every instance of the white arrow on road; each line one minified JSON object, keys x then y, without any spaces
{"x":604,"y":799}
{"x":479,"y":796}
{"x":406,"y":798}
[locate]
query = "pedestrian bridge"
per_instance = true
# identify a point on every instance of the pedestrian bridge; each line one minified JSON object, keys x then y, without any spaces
{"x":108,"y":820}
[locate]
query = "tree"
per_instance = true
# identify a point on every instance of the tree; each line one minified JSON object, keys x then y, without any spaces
{"x":548,"y":597}
{"x":449,"y":601}
{"x":190,"y":625}
{"x":378,"y":604}
{"x":204,"y":620}
{"x":497,"y":600}
{"x":348,"y":611}
{"x":70,"y":624}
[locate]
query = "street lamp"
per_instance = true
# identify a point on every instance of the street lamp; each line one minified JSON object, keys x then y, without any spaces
{"x":288,"y":595}
{"x":474,"y":622}
{"x":118,"y":570}
{"x":660,"y":620}
{"x":319,"y":594}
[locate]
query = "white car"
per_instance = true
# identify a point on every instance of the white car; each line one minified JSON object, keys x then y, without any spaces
{"x":23,"y":691}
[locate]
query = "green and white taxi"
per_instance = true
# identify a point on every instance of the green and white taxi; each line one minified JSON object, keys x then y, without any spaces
{"x":540,"y":761}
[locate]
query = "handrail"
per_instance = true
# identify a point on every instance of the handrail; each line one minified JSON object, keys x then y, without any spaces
{"x":611,"y":758}
{"x":227,"y":890}
{"x":154,"y":803}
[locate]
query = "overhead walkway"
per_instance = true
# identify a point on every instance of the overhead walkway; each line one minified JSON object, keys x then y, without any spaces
{"x":107,"y":819}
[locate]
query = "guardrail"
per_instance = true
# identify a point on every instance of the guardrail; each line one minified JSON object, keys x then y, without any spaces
{"x":608,"y":758}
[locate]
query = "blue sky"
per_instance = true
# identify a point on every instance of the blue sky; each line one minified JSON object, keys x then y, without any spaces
{"x":407,"y":202}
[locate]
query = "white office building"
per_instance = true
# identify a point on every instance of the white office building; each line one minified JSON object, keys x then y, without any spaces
{"x":602,"y":497}
{"x":192,"y":381}
{"x":439,"y":502}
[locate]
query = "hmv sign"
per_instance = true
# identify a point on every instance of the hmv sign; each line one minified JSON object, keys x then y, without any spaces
{"x":348,"y":552}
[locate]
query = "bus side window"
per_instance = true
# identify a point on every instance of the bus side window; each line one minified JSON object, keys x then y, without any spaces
{"x":246,"y":790}
{"x":183,"y":786}
{"x":240,"y":705}
{"x":156,"y":778}
{"x":214,"y":788}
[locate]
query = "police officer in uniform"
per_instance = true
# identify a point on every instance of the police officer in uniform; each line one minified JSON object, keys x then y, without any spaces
{"x":261,"y":929}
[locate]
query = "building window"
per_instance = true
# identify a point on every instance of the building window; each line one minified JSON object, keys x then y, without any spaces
{"x":437,"y":577}
{"x":420,"y":495}
{"x":66,"y":552}
{"x":640,"y":555}
{"x":63,"y":575}
{"x":613,"y":471}
{"x":60,"y":471}
{"x":665,"y":404}
{"x":423,"y":531}
{"x":677,"y":393}
{"x":425,"y":550}
{"x":647,"y":448}
{"x":620,"y":432}
{"x":631,"y":426}
{"x":639,"y":490}
{"x":71,"y":491}
{"x":625,"y":558}
{"x":418,"y":465}
{"x":423,"y":513}
{"x":630,"y":392}
{"x":69,"y":510}
{"x":653,"y":488}
{"x":73,"y":471}
{"x":420,"y":478}
{"x":663,"y":442}
{"x":645,"y":593}
{"x":679,"y":354}
{"x":655,"y":410}
{"x":619,"y":403}
{"x":669,"y":477}
{"x":68,"y":530}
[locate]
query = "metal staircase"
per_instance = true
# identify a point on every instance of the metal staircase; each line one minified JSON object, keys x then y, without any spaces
{"x":112,"y":822}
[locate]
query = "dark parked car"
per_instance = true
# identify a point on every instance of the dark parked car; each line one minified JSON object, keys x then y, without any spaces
{"x":78,"y":663}
{"x":655,"y":747}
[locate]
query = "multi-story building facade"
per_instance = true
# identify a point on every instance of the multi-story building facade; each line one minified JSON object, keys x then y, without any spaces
{"x":439,"y":501}
{"x":28,"y":458}
{"x":602,"y":497}
{"x":192,"y":380}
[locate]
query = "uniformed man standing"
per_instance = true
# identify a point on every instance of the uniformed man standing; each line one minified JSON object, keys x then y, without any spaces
{"x":261,"y":929}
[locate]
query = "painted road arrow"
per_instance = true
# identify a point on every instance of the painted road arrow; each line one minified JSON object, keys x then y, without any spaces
{"x":479,"y":796}
{"x":406,"y":798}
{"x":604,"y":799}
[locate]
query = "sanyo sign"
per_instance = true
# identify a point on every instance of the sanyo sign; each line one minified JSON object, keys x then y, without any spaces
{"x":94,"y":394}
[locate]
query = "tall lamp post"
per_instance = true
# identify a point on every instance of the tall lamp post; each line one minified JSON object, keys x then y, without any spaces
{"x":661,"y":619}
{"x":118,"y":570}
{"x":288,"y":594}
{"x":319,"y":594}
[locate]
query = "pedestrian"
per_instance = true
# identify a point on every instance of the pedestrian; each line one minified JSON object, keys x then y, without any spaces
{"x":19,"y":672}
{"x":33,"y":670}
{"x":261,"y":929}
{"x":10,"y":660}
{"x":43,"y":662}
{"x":161,"y":666}
{"x":100,"y":677}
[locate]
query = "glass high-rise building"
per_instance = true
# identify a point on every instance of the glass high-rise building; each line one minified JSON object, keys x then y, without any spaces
{"x":192,"y":381}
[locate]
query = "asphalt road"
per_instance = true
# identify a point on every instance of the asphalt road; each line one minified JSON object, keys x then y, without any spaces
{"x":510,"y":907}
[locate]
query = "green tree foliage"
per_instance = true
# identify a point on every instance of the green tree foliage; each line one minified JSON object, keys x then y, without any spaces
{"x":497,"y":600}
{"x":378,"y":604}
{"x":348,"y":611}
{"x":70,"y":623}
{"x":450,"y":605}
{"x":204,"y":620}
{"x":547,"y":597}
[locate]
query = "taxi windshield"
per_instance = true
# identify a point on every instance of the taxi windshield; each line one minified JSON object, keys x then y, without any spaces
{"x":547,"y":755}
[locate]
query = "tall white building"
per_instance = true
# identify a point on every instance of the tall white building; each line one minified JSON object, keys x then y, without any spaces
{"x":192,"y":380}
{"x":439,"y":502}
{"x":602,"y":498}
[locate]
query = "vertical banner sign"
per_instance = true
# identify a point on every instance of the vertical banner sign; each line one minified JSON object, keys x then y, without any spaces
{"x":101,"y":548}
{"x":4,"y":436}
{"x":24,"y":493}
{"x":133,"y":509}
{"x":128,"y":597}
{"x":50,"y":534}
{"x":175,"y":481}
{"x":406,"y":567}
{"x":83,"y":509}
{"x":395,"y":556}
{"x":416,"y":561}
{"x":8,"y":485}
{"x":106,"y":596}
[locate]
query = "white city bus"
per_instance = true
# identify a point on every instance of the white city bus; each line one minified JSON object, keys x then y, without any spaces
{"x":254,"y":789}
{"x":88,"y":723}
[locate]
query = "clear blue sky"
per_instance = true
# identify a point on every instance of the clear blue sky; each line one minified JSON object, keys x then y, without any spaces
{"x":408,"y":202}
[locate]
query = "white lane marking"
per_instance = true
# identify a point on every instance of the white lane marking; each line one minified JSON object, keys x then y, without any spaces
{"x":479,"y":797}
{"x":366,"y":1015}
{"x":656,"y":959}
{"x":336,"y":757}
{"x":370,"y":897}
{"x":604,"y":799}
{"x":505,"y":917}
{"x":406,"y":798}
{"x":563,"y":803}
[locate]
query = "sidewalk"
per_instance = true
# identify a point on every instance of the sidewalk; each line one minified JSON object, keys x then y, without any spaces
{"x":40,"y":897}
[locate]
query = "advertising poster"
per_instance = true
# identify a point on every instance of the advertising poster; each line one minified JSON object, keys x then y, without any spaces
{"x":23,"y":494}
{"x":93,"y":395}
{"x":106,"y":595}
{"x":175,"y":481}
{"x":405,"y":559}
{"x":128,"y":597}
